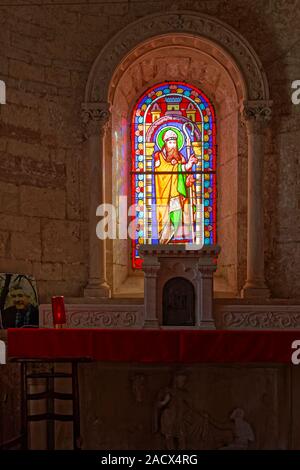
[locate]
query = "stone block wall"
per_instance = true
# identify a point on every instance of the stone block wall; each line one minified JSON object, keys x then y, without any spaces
{"x":45,"y":57}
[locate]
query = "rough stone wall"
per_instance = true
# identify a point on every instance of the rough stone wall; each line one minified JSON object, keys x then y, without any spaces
{"x":45,"y":56}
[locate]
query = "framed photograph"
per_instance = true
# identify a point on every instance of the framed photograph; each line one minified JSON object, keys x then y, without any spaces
{"x":19,"y":306}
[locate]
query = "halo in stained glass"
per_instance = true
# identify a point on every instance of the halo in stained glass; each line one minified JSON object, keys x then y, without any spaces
{"x":159,"y":139}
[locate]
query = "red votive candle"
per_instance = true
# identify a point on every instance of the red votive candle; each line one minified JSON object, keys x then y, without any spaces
{"x":58,"y":311}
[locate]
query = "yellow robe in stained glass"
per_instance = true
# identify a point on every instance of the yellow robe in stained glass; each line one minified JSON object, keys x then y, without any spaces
{"x":170,"y":189}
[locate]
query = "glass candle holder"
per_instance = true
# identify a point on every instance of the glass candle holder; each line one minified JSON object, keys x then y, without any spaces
{"x":58,"y":311}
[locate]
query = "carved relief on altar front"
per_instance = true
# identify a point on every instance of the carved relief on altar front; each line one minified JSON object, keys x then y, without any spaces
{"x":200,"y":407}
{"x":139,"y":387}
{"x":178,"y":420}
{"x":243,"y":434}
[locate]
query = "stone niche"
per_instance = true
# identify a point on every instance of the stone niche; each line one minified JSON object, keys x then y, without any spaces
{"x":179,"y":285}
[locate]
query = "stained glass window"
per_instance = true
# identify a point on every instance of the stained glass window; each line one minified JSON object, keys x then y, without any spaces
{"x":173,"y":167}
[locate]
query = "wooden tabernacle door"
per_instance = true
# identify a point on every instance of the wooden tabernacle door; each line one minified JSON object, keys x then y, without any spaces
{"x":178,"y":302}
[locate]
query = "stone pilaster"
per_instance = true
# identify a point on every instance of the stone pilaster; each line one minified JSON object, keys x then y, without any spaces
{"x":205,"y":310}
{"x":151,"y":267}
{"x":95,"y":117}
{"x":256,"y":115}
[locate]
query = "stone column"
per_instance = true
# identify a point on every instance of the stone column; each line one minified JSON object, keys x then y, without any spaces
{"x":151,"y":267}
{"x":255,"y":114}
{"x":96,"y":117}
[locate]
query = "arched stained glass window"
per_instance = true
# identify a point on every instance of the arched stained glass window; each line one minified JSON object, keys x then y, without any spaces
{"x":173,"y":167}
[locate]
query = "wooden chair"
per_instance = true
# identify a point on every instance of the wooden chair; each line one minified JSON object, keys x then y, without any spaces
{"x":50,"y":395}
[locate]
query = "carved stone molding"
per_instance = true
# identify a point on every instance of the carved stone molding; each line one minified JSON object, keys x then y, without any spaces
{"x":228,"y":41}
{"x":258,"y":317}
{"x":95,"y":118}
{"x":172,"y":251}
{"x":88,"y":316}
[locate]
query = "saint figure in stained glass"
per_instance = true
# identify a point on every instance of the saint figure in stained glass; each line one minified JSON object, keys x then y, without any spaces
{"x":173,"y":189}
{"x":173,"y":167}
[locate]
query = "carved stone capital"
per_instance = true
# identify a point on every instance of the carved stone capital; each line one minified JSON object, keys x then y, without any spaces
{"x":95,"y":118}
{"x":206,"y":272}
{"x":151,"y":270}
{"x":256,"y":115}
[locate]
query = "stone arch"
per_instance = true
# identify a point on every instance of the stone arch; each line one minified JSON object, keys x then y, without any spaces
{"x":232,"y":46}
{"x":242,"y":68}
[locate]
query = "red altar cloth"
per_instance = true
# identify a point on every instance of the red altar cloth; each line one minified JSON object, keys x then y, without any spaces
{"x":153,"y":346}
